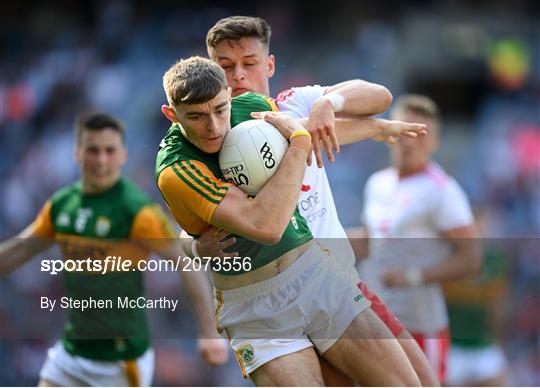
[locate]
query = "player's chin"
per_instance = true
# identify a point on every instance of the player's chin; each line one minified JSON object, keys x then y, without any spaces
{"x":213,"y":145}
{"x":238,"y":91}
{"x":102,"y":182}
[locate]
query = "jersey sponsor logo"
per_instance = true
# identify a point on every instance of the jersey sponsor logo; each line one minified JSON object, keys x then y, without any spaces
{"x":63,"y":220}
{"x":75,"y":249}
{"x":103,"y":226}
{"x":268,"y":157}
{"x":235,"y":170}
{"x":310,"y":202}
{"x":358,"y":298}
{"x":235,"y":176}
{"x":310,"y":207}
{"x":305,"y":188}
{"x":247,"y":353}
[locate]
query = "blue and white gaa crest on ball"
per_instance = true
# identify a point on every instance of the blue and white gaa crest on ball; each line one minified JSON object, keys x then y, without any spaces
{"x":251,"y":154}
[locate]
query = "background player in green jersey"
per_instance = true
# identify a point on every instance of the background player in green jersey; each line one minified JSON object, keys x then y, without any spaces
{"x":103,"y":215}
{"x":476,"y":309}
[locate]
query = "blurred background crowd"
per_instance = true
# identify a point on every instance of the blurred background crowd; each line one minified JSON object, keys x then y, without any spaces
{"x":480,"y":61}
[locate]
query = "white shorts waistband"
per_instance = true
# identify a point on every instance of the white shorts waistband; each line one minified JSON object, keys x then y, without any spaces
{"x":306,"y":259}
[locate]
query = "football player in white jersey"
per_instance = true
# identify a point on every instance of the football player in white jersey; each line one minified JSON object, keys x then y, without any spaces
{"x":421,"y":233}
{"x":241,"y":46}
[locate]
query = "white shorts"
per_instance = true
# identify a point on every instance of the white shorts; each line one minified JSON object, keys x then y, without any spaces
{"x":342,"y":249}
{"x":470,"y":365}
{"x":311,"y":303}
{"x":64,"y":369}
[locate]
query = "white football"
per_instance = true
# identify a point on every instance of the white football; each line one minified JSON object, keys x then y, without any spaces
{"x":251,"y":154}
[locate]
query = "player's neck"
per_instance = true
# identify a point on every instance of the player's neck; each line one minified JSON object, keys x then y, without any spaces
{"x":88,"y":188}
{"x":404,"y":172}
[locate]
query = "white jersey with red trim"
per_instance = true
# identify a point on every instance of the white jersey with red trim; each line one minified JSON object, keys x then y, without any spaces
{"x":405,"y":218}
{"x":316,"y":202}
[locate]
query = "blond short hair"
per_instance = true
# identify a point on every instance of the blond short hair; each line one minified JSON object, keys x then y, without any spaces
{"x":418,"y":104}
{"x":193,"y":81}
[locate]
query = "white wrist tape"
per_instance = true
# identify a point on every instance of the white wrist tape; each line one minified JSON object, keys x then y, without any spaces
{"x":414,"y":277}
{"x":194,"y":248}
{"x":336,"y":99}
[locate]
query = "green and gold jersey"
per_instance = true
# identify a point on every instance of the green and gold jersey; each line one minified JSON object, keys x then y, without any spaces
{"x":121,"y":222}
{"x":473,"y":303}
{"x":191,"y":183}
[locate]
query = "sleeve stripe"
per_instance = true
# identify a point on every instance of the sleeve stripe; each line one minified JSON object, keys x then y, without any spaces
{"x":219,"y":186}
{"x":184,"y":169}
{"x":271,"y":102}
{"x":187,"y":181}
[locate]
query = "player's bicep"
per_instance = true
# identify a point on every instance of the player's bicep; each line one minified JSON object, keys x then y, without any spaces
{"x":34,"y":243}
{"x":466,"y":246}
{"x":468,"y":231}
{"x":233,"y":214}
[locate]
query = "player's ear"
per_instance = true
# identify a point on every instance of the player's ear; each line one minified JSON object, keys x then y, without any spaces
{"x":124,"y":156}
{"x":433,"y":137}
{"x":229,"y":93}
{"x":77,"y":152}
{"x":271,"y":66}
{"x":169,"y":113}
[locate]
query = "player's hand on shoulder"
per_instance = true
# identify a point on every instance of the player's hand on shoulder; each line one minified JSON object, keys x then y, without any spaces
{"x":321,"y":126}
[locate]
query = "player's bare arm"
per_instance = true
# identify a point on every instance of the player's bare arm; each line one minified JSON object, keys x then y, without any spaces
{"x":388,"y":131}
{"x":465,"y":260}
{"x":358,"y":237}
{"x":211,"y":242}
{"x":265,"y":217}
{"x":350,"y":98}
{"x":18,"y":250}
{"x":212,"y":348}
{"x":361,"y":98}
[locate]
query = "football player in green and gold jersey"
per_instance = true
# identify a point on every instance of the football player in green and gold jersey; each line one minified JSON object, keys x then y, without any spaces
{"x":294,"y":297}
{"x":100,"y":217}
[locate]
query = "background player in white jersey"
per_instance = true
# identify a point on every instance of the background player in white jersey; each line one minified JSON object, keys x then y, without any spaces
{"x":241,"y":46}
{"x":421,"y":233}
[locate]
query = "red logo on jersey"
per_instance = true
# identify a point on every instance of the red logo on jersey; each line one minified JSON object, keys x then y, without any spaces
{"x":284,"y":94}
{"x":305,"y":188}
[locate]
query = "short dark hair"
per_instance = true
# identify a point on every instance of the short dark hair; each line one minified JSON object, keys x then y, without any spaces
{"x":97,"y":121}
{"x":419,"y":104}
{"x":193,"y":81}
{"x":238,"y":27}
